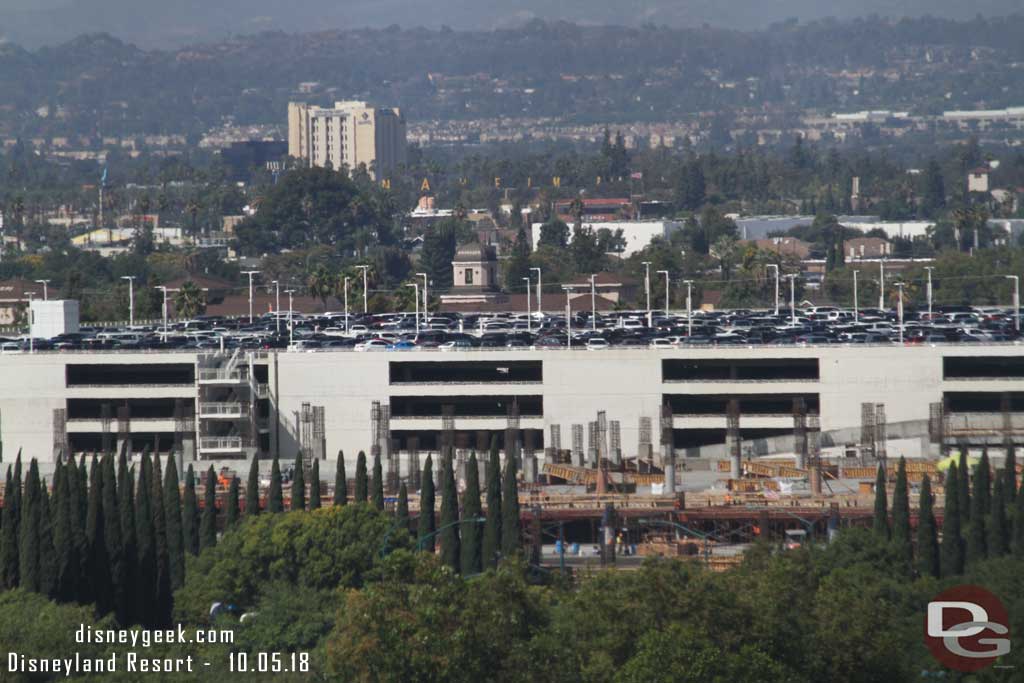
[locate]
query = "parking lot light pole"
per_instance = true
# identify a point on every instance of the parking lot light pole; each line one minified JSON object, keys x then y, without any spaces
{"x":529,"y":309}
{"x":426,"y":283}
{"x":31,"y":319}
{"x":345,"y":289}
{"x":775,"y":267}
{"x":291,"y":324}
{"x":540,"y":292}
{"x":689,"y":307}
{"x":416,"y":286}
{"x":899,"y":308}
{"x":131,"y":298}
{"x":165,"y":290}
{"x":366,"y":307}
{"x":568,"y":316}
{"x":250,"y":273}
{"x":929,"y":269}
{"x":792,"y":298}
{"x":277,"y":307}
{"x":1016,"y":301}
{"x":856,"y":311}
{"x":881,"y":285}
{"x":647,"y":291}
{"x":667,"y":280}
{"x":44,"y":283}
{"x":593,"y":304}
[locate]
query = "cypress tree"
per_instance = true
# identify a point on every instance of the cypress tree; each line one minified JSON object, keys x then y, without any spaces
{"x":999,"y":531}
{"x":314,"y":486}
{"x":881,"y":515}
{"x":173,"y":522}
{"x":952,"y":549}
{"x":64,"y":542}
{"x":492,"y":527}
{"x":47,"y":553}
{"x":82,"y":494}
{"x":983,"y":485}
{"x":78,"y":505}
{"x":163,"y":604}
{"x":119,"y":599}
{"x":340,"y":482}
{"x":402,"y":509}
{"x":470,"y":560}
{"x":146,"y":586}
{"x":377,"y":485}
{"x":208,"y":529}
{"x":190,"y":515}
{"x":510,"y":540}
{"x":964,"y":492}
{"x":927,"y":536}
{"x":97,"y":583}
{"x":1018,"y":525}
{"x":901,"y":514}
{"x":252,"y":488}
{"x":361,"y":483}
{"x":232,"y":510}
{"x":1010,"y":476}
{"x":426,"y":521}
{"x":298,"y":501}
{"x":9,"y":537}
{"x":977,"y":536}
{"x":275,"y":497}
{"x":28,"y":534}
{"x":129,"y":543}
{"x":449,"y":523}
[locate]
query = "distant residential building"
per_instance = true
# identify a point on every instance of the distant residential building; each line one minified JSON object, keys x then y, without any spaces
{"x":866,"y":248}
{"x":783,"y":246}
{"x":977,"y":180}
{"x":349,"y":134}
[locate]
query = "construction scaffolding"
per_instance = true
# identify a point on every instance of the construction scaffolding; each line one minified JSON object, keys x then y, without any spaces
{"x":732,"y":437}
{"x":577,"y":445}
{"x":556,"y":437}
{"x":800,"y":432}
{"x":868,"y":436}
{"x":880,"y":433}
{"x":615,"y":441}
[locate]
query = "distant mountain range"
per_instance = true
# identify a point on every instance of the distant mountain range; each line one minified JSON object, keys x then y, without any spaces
{"x":159,"y":23}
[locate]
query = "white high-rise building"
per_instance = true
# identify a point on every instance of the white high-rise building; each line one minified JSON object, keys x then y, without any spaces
{"x":349,"y":134}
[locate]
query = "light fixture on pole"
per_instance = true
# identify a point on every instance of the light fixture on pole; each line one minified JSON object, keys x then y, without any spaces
{"x":250,"y":273}
{"x":277,"y":307}
{"x":593,"y":303}
{"x":792,"y":298}
{"x":856,"y":311}
{"x":929,"y":269}
{"x":1016,"y":301}
{"x":881,"y":285}
{"x":131,"y":298}
{"x":775,"y":267}
{"x":667,"y":281}
{"x":416,"y":287}
{"x":44,"y":283}
{"x":345,"y":288}
{"x":31,"y":319}
{"x":529,"y":309}
{"x":689,"y":307}
{"x":540,"y":293}
{"x":647,"y":291}
{"x":366,"y":307}
{"x":165,"y":290}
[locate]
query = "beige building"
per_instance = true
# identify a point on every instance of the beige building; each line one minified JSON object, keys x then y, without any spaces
{"x":349,"y":134}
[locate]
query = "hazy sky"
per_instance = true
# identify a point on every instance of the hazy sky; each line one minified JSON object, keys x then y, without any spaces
{"x":165,"y":23}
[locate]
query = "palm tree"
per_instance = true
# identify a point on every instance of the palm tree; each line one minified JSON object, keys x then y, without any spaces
{"x":189,"y":301}
{"x":321,"y":284}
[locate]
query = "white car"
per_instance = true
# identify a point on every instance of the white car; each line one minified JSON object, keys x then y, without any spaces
{"x":10,"y":347}
{"x":373,"y":345}
{"x":597,"y":343}
{"x":665,"y":343}
{"x":358,"y":329}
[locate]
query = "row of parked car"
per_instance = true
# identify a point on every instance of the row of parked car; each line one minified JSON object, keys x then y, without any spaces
{"x":638,"y":329}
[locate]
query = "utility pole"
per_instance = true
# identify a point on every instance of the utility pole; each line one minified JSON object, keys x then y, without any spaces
{"x":667,"y":280}
{"x":425,"y":306}
{"x":775,"y":267}
{"x":540,"y":292}
{"x":131,"y":298}
{"x":366,"y":307}
{"x":250,"y":273}
{"x":689,"y":307}
{"x":416,"y":286}
{"x":647,"y":291}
